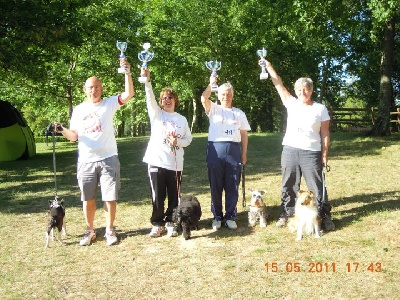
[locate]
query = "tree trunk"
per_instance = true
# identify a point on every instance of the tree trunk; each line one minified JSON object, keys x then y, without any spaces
{"x":194,"y":120}
{"x":69,"y":84}
{"x":69,"y":98}
{"x":326,"y":65}
{"x":382,"y":123}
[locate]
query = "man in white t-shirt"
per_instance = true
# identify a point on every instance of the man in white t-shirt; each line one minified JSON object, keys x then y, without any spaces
{"x":98,"y":162}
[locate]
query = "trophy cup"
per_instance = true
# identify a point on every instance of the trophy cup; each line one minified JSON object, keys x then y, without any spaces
{"x":262,"y":54}
{"x":122,"y":47}
{"x":213,"y":66}
{"x":144,"y":56}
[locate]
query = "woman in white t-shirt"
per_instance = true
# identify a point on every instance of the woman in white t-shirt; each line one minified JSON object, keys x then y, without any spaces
{"x":170,"y":133}
{"x":305,"y":147}
{"x":226,"y":152}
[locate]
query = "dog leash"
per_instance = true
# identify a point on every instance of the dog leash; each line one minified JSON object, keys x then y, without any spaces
{"x":178,"y":186}
{"x":243,"y":187}
{"x":328,"y":168}
{"x":54,"y":162}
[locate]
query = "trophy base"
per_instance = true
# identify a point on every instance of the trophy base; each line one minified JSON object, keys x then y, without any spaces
{"x":263,"y":76}
{"x":142,"y":79}
{"x":214,"y":88}
{"x":123,"y":70}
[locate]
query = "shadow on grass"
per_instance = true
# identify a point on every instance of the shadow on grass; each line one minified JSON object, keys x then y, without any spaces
{"x":26,"y":186}
{"x":368,"y":205}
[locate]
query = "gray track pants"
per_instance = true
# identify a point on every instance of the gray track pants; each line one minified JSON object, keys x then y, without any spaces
{"x":295,"y":164}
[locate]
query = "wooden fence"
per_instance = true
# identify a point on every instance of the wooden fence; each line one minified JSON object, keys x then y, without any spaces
{"x":352,"y":119}
{"x":395,"y":118}
{"x":358,"y":119}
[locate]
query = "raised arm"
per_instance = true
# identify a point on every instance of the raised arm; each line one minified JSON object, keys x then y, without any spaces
{"x":205,"y":97}
{"x":276,"y":80}
{"x":129,"y":89}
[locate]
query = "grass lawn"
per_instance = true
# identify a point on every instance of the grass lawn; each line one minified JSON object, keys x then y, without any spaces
{"x":360,"y":260}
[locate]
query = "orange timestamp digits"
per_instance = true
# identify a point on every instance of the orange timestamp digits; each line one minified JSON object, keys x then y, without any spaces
{"x":322,"y":267}
{"x":295,"y":267}
{"x":357,"y":267}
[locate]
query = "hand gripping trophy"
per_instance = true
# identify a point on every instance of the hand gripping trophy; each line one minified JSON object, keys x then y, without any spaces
{"x":262,"y":54}
{"x":122,"y":47}
{"x":145,"y":56}
{"x":213,"y":66}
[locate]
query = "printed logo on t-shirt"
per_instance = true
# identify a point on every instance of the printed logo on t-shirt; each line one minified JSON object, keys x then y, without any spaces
{"x":92,"y":123}
{"x":170,"y":129}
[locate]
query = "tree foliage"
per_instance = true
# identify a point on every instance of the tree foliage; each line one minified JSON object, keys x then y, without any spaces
{"x":48,"y":49}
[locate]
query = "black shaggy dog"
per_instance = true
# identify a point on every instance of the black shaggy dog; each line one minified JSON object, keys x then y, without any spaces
{"x":187,"y":215}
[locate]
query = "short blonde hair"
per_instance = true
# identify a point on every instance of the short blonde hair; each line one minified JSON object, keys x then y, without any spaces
{"x":304,"y":81}
{"x":226,"y":86}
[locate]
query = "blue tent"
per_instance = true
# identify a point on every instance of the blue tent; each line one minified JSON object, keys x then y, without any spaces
{"x":16,"y":138}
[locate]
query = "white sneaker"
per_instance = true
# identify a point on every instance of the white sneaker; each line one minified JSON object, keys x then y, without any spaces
{"x":157,"y":231}
{"x":171,"y":229}
{"x":216,"y":224}
{"x":231,"y":224}
{"x":111,"y":238}
{"x":88,"y":237}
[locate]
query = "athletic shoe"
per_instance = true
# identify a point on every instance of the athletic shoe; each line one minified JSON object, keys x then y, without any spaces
{"x":231,"y":224}
{"x":88,"y":237}
{"x":216,"y":224}
{"x":281,"y":222}
{"x":327,"y":224}
{"x":111,"y":238}
{"x":171,"y":230}
{"x":157,"y":231}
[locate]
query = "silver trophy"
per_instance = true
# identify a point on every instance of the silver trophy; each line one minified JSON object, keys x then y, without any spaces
{"x":213,"y":66}
{"x":262,"y":54}
{"x":122,"y":47}
{"x":144,"y":56}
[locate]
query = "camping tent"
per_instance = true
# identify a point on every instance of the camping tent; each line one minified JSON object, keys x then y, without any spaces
{"x":16,"y":138}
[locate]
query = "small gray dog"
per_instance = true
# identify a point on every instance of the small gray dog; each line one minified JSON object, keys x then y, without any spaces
{"x":258,"y":209}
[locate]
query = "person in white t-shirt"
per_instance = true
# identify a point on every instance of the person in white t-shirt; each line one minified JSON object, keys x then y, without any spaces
{"x":98,"y":163}
{"x":170,"y":134}
{"x":305,"y":147}
{"x":226,"y":152}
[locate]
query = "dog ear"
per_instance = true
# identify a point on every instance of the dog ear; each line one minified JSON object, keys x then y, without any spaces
{"x":50,"y":202}
{"x":251,"y":190}
{"x":262,"y":192}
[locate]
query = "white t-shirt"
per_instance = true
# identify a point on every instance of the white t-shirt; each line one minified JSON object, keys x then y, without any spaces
{"x":303,"y":130}
{"x":94,"y":124}
{"x":226,"y":123}
{"x":159,"y":152}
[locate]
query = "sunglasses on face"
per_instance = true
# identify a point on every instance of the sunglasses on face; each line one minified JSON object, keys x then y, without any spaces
{"x":167,"y":98}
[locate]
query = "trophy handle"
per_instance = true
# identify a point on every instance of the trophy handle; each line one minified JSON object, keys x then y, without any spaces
{"x":122,"y":48}
{"x":264,"y":73}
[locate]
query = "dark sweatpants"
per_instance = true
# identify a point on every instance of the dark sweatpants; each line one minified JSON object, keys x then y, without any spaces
{"x":295,"y":164}
{"x":163,"y":182}
{"x":224,"y":170}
